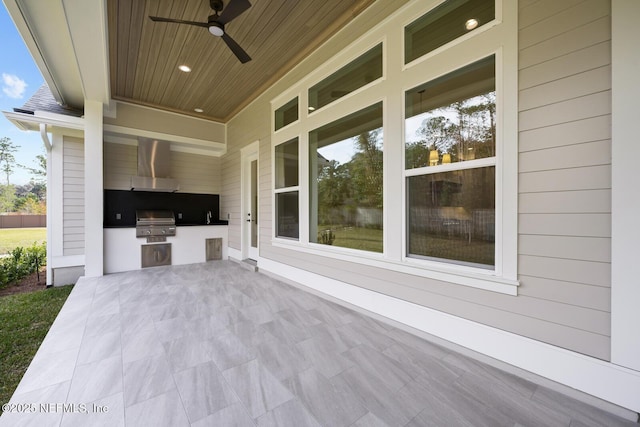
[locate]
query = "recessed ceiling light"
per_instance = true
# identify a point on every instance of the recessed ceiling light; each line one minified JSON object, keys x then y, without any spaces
{"x":184,"y":68}
{"x":311,"y":108}
{"x":471,"y":24}
{"x":198,"y":110}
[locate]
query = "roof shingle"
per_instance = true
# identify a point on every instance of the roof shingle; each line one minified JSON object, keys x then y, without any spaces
{"x":43,"y":100}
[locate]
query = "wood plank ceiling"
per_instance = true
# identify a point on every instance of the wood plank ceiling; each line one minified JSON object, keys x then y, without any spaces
{"x":277,"y":34}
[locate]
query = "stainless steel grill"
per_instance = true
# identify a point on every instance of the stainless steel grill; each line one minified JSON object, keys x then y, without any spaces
{"x":155,"y":223}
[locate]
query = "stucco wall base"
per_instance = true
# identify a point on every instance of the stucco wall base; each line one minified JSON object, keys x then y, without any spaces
{"x":595,"y":377}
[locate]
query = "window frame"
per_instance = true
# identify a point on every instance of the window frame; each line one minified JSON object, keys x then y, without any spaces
{"x":505,"y":162}
{"x":326,"y":76}
{"x":483,"y":162}
{"x":308,"y":193}
{"x":290,"y":189}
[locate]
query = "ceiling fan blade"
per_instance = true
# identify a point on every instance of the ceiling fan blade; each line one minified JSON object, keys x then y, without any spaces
{"x":236,"y":49}
{"x":179,"y":21}
{"x":234,"y":9}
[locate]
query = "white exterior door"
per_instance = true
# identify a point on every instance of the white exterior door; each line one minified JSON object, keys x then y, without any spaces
{"x":250,"y":218}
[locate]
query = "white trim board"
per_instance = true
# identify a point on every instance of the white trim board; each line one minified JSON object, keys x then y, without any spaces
{"x":67,"y":261}
{"x":598,"y":378}
{"x":625,"y":199}
{"x":200,"y":146}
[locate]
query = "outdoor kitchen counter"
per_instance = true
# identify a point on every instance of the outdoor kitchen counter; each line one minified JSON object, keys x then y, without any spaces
{"x":189,"y":224}
{"x":122,"y":249}
{"x":197,"y":225}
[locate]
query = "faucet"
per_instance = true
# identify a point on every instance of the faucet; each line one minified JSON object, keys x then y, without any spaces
{"x":208,"y":217}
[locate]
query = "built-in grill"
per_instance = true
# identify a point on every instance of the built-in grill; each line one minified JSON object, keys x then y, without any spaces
{"x":150,"y":223}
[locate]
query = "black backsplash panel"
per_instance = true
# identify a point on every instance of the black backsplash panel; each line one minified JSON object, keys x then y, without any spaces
{"x":193,"y":207}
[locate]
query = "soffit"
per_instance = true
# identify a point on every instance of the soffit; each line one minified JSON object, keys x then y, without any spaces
{"x":144,"y":55}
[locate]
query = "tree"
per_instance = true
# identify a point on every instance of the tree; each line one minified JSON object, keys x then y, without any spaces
{"x":40,"y":171}
{"x":39,"y":189}
{"x":7,"y":198}
{"x":7,"y":160}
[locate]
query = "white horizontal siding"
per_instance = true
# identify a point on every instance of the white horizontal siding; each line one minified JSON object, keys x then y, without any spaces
{"x":575,"y":178}
{"x":597,"y":249}
{"x":574,"y":39}
{"x":73,"y":197}
{"x":573,"y":156}
{"x":196,"y":173}
{"x":555,"y":224}
{"x":575,"y":86}
{"x":574,"y":63}
{"x":554,"y":25}
{"x":569,"y":293}
{"x":569,"y":202}
{"x":584,"y":107}
{"x":120,"y":164}
{"x":567,"y":270}
{"x":541,"y":10}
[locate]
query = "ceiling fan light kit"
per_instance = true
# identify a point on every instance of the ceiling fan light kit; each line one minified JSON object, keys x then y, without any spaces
{"x":216,"y":29}
{"x":216,"y":22}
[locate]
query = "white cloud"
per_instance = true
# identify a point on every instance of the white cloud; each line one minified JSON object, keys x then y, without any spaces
{"x":13,"y":86}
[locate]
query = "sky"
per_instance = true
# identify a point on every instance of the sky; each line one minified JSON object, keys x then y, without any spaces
{"x":19,"y":79}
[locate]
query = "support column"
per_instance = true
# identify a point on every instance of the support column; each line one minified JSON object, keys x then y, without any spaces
{"x":625,"y":197}
{"x":93,"y":189}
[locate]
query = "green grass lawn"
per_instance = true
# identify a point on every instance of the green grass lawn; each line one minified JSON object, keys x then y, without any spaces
{"x":11,"y":238}
{"x":25,"y":320}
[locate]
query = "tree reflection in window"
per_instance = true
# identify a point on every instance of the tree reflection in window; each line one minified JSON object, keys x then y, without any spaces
{"x":346,"y":197}
{"x":464,"y":130}
{"x":452,"y":118}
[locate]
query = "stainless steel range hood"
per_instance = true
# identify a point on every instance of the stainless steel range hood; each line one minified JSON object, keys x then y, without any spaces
{"x":154,"y":167}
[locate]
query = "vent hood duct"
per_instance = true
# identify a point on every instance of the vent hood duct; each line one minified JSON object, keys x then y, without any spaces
{"x":154,"y":167}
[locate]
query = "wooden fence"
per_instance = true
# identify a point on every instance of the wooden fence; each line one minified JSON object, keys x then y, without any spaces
{"x":22,"y":221}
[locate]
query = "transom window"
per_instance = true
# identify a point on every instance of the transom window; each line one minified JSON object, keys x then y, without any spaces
{"x":445,"y":23}
{"x":286,"y":114}
{"x":358,"y":73}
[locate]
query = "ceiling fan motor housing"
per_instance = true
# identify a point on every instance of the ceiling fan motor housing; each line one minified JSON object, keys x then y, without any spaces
{"x":216,"y":5}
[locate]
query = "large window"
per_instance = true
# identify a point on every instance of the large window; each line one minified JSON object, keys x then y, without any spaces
{"x":450,"y":166}
{"x":445,"y":23}
{"x":358,"y":73}
{"x":286,"y":184}
{"x":345,"y":181}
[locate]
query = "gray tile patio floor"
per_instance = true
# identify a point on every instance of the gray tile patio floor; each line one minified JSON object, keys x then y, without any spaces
{"x":217,"y":345}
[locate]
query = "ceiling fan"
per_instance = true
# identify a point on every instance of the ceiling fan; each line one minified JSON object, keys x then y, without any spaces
{"x":216,"y":22}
